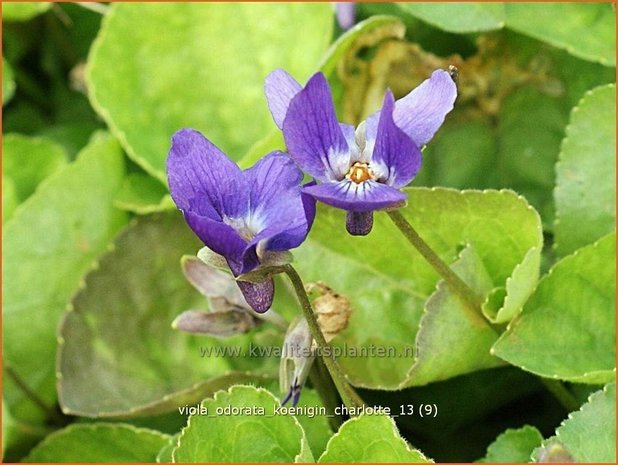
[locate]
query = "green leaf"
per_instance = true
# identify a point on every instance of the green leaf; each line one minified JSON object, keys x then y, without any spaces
{"x":115,"y":442}
{"x":253,"y":433}
{"x":586,"y":30}
{"x":513,"y":446}
{"x":458,"y":17}
{"x":388,"y":304}
{"x":7,"y":425}
{"x":28,"y":160}
{"x":518,"y":288}
{"x":23,"y":11}
{"x":528,"y":147}
{"x":448,"y":342}
{"x":585,"y":191}
{"x":201,"y":76}
{"x":120,"y":322}
{"x":49,"y":243}
{"x":588,"y":435}
{"x":567,"y":328}
{"x":143,"y":194}
{"x":462,"y":155}
{"x":370,"y":439}
{"x":9,"y":198}
{"x":379,"y":25}
{"x":165,"y":454}
{"x":8,"y":81}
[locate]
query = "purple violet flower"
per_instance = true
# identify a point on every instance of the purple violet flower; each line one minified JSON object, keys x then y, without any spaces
{"x":244,"y":216}
{"x":359,"y":170}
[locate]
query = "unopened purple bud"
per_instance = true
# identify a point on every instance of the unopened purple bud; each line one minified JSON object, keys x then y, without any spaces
{"x":359,"y":223}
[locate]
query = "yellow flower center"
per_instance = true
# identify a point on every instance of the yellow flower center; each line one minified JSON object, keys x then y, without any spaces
{"x":360,"y":172}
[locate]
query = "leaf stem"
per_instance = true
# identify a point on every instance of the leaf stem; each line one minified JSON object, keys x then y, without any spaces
{"x":348,"y":395}
{"x":323,"y":384}
{"x":561,"y":393}
{"x":52,"y":414}
{"x":472,"y":302}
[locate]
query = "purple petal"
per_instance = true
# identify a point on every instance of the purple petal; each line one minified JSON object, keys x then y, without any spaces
{"x":277,"y":208}
{"x":421,"y":113}
{"x":280,"y":88}
{"x":312,"y":134}
{"x":363,"y":197}
{"x":224,"y":240}
{"x":346,"y":14}
{"x":397,"y":156}
{"x":195,"y":168}
{"x":359,"y":223}
{"x":258,"y":295}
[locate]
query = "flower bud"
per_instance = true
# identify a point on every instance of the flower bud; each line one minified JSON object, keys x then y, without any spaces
{"x":297,"y":357}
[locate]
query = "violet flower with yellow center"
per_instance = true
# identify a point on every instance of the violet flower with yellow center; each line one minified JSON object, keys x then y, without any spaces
{"x":359,"y":170}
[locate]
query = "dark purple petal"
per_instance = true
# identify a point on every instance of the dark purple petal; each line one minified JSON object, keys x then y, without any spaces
{"x":421,"y":113}
{"x":366,"y":196}
{"x":346,"y":14}
{"x":280,"y":88}
{"x":258,"y":295}
{"x":312,"y":134}
{"x":397,"y":157}
{"x":195,"y":169}
{"x":359,"y":223}
{"x":224,"y":240}
{"x":278,"y":212}
{"x":309,"y":205}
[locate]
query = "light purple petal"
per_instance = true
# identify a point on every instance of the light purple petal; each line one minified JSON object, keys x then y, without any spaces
{"x":280,"y":88}
{"x":421,"y":113}
{"x":312,"y":134}
{"x":366,"y":196}
{"x":397,"y":155}
{"x":346,"y":14}
{"x":195,"y":169}
{"x":258,"y":295}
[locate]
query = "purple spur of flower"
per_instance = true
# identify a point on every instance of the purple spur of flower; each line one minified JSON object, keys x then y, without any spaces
{"x":244,"y":216}
{"x":346,"y":14}
{"x":358,"y":169}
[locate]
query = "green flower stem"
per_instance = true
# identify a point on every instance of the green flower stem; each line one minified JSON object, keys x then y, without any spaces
{"x":561,"y":393}
{"x":472,"y":302}
{"x":348,"y":395}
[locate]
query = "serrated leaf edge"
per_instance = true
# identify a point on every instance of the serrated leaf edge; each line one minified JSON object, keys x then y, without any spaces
{"x":304,"y":445}
{"x":515,"y":320}
{"x":394,"y":430}
{"x":565,"y":140}
{"x":94,"y":426}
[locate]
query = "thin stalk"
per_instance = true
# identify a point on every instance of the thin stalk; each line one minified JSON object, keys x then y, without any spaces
{"x":561,"y":393}
{"x":472,"y":302}
{"x":323,"y":384}
{"x":33,"y":397}
{"x":348,"y":395}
